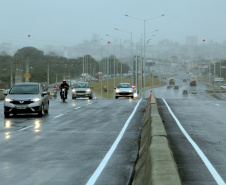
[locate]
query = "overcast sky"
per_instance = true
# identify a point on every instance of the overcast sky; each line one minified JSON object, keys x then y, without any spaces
{"x":69,"y":22}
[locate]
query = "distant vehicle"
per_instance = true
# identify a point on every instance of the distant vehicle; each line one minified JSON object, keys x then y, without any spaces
{"x":218,"y":80}
{"x":52,"y":92}
{"x":185,"y":92}
{"x":176,"y":87}
{"x":82,"y":89}
{"x":193,"y":81}
{"x":26,"y":97}
{"x":57,"y":87}
{"x":193,"y":92}
{"x":172,"y":82}
{"x":124,"y":90}
{"x":223,"y":86}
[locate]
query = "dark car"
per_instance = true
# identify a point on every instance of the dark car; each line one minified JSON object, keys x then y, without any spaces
{"x":185,"y":92}
{"x":176,"y":87}
{"x":26,"y":97}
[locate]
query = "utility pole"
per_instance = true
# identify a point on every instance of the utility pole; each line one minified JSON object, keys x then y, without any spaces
{"x":11,"y":75}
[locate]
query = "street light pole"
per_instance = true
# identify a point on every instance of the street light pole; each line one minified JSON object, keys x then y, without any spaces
{"x":144,"y":20}
{"x":131,"y":51}
{"x":107,"y":68}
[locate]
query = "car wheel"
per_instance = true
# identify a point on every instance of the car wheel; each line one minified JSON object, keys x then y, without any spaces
{"x":6,"y":114}
{"x":116,"y":97}
{"x":90,"y":97}
{"x":41,"y":111}
{"x":47,"y":109}
{"x":132,"y":97}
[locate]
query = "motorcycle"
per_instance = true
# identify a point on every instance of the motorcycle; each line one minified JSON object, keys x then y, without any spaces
{"x":63,"y":94}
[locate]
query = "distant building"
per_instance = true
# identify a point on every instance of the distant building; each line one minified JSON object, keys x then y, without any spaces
{"x":191,"y":40}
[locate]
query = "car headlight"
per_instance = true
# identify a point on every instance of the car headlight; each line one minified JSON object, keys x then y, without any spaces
{"x":8,"y":100}
{"x":130,"y":91}
{"x":88,"y":90}
{"x":73,"y":90}
{"x":36,"y":99}
{"x":117,"y":91}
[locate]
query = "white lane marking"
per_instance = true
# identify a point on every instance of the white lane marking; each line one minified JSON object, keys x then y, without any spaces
{"x":210,"y":167}
{"x":217,"y":105}
{"x":208,"y":101}
{"x":77,"y":108}
{"x":25,"y":128}
{"x":103,"y":163}
{"x":58,"y":116}
{"x":90,"y":103}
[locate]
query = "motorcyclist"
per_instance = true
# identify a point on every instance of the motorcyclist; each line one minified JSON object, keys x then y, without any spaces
{"x":64,"y":85}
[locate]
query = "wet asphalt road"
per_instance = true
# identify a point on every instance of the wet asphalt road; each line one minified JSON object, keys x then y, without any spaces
{"x":203,"y":118}
{"x":67,"y":145}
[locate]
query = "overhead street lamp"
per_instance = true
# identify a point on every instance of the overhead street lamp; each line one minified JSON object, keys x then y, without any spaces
{"x":131,"y":49}
{"x":144,"y":20}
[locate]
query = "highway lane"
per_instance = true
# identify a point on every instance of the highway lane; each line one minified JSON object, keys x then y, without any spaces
{"x":67,"y":145}
{"x":203,"y":118}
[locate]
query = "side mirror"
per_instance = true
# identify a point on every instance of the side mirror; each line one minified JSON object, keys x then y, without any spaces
{"x":5,"y":93}
{"x":44,"y":93}
{"x":114,"y":87}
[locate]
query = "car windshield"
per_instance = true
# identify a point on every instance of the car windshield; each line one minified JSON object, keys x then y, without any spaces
{"x":124,"y":86}
{"x":81,"y":85}
{"x":24,"y":89}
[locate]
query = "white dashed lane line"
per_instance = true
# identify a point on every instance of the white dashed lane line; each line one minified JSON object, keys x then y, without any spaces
{"x":25,"y":128}
{"x":217,"y":105}
{"x":58,"y":116}
{"x":77,"y":108}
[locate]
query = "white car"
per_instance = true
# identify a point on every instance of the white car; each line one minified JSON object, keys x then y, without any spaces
{"x":124,"y":90}
{"x":223,"y":86}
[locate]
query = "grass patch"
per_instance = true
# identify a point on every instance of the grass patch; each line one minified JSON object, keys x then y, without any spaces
{"x":111,"y":93}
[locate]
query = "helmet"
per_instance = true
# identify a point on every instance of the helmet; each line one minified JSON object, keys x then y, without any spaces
{"x":64,"y":81}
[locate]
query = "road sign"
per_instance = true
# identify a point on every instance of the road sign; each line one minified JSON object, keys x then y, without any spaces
{"x":27,"y":75}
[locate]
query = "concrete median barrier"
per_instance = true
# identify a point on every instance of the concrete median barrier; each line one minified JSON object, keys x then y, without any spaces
{"x":155,"y":164}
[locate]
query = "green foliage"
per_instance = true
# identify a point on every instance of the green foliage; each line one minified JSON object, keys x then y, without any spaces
{"x":59,"y":67}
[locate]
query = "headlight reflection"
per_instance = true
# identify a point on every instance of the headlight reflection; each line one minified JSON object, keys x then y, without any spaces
{"x":37,"y":126}
{"x":7,"y":135}
{"x":8,"y":124}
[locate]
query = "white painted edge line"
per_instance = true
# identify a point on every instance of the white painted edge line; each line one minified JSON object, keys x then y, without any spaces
{"x":58,"y":116}
{"x":25,"y":128}
{"x":77,"y":108}
{"x":210,"y":167}
{"x":217,"y":105}
{"x":103,"y":163}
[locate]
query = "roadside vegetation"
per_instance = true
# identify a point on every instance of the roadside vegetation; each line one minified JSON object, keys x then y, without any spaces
{"x":59,"y":67}
{"x":97,"y":85}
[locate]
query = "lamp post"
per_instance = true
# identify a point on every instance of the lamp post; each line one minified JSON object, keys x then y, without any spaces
{"x":131,"y":50}
{"x":114,"y":58}
{"x":107,"y":67}
{"x":144,"y":20}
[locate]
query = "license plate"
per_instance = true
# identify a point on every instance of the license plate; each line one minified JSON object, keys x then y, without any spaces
{"x":21,"y":107}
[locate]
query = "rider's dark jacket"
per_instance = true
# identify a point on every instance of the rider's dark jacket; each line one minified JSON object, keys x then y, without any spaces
{"x":64,"y":85}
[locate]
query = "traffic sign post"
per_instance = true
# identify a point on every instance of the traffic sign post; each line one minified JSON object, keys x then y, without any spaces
{"x":27,"y":75}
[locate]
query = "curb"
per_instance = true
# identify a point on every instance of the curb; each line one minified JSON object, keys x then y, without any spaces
{"x":155,"y":164}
